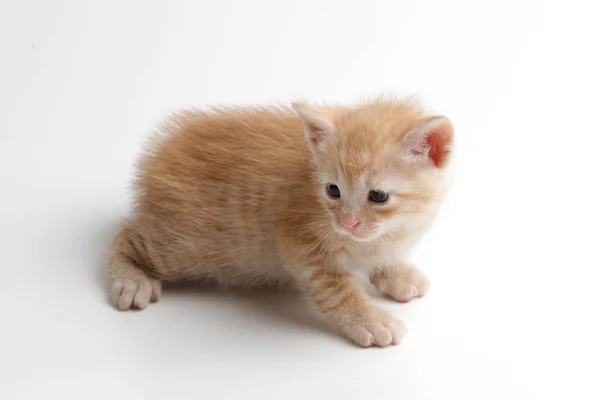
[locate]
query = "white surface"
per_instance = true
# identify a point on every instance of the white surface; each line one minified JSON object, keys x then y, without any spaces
{"x":513,"y":311}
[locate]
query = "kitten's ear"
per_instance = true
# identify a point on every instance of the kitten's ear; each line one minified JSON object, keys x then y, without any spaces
{"x":318,"y":125}
{"x":429,"y":143}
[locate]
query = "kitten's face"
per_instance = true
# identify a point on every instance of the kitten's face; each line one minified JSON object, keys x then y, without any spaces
{"x":366,"y":204}
{"x":378,"y":170}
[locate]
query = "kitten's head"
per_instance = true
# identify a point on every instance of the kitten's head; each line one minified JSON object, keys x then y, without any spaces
{"x":379,"y":165}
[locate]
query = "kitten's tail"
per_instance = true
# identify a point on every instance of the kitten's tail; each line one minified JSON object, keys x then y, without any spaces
{"x":130,"y":286}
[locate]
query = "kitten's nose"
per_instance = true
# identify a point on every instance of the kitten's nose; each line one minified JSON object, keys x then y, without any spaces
{"x":350,"y":224}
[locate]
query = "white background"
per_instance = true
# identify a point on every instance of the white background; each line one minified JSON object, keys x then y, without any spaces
{"x":513,"y":310}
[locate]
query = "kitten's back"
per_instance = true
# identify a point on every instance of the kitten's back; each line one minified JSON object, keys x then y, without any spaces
{"x":212,"y":188}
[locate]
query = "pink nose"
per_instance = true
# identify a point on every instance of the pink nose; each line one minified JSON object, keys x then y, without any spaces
{"x":350,"y":225}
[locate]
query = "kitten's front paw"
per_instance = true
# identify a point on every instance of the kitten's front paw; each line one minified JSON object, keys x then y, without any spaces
{"x":401,"y":283}
{"x":375,"y":328}
{"x":136,"y":292}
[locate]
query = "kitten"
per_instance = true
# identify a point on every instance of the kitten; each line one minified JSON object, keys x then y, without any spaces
{"x":306,"y":196}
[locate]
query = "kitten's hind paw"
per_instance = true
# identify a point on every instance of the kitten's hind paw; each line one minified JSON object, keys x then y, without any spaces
{"x":128,"y":293}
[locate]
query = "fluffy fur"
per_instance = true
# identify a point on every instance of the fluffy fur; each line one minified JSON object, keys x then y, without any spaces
{"x":238,"y":196}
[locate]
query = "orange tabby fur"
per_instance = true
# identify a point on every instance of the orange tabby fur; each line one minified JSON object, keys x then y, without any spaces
{"x":237,"y":196}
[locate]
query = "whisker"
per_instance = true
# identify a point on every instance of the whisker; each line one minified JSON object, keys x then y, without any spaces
{"x":314,"y":245}
{"x":304,"y":227}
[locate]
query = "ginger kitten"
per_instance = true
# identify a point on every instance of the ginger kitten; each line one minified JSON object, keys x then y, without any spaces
{"x":305,"y":195}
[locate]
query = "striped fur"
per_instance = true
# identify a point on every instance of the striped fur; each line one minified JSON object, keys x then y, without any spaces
{"x":237,"y":196}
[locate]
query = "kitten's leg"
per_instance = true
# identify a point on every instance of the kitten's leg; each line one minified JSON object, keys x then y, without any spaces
{"x":403,"y":283}
{"x":346,"y":306}
{"x":130,"y":286}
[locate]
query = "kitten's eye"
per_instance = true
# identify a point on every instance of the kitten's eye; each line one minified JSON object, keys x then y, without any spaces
{"x":333,"y":191}
{"x":378,"y":196}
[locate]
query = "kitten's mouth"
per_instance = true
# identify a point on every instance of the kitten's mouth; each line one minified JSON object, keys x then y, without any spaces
{"x":362,"y":237}
{"x":356,"y":235}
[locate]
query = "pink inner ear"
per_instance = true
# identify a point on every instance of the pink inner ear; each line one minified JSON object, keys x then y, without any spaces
{"x":438,"y":141}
